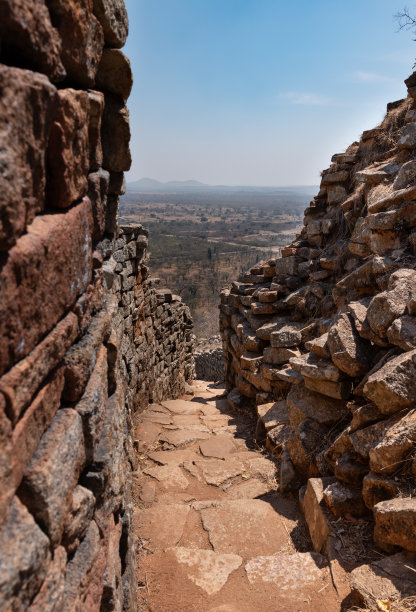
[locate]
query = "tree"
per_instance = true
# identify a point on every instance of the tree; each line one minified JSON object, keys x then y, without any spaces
{"x":209,"y":253}
{"x":405,"y":19}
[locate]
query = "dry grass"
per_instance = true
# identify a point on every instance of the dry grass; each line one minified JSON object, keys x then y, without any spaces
{"x":386,"y":605}
{"x":386,"y":140}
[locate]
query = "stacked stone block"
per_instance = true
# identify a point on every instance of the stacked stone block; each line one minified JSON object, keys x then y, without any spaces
{"x":153,"y":327}
{"x":322,"y":339}
{"x":209,"y":359}
{"x":72,"y":352}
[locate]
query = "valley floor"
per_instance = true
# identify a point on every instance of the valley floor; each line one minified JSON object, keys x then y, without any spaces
{"x":212,"y":532}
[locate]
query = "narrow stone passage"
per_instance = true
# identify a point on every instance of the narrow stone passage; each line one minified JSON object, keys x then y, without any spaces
{"x":212,"y":532}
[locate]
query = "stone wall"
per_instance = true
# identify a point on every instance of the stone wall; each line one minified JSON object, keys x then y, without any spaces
{"x":85,"y":336}
{"x":153,"y":327}
{"x":322,"y":341}
{"x":209,"y":359}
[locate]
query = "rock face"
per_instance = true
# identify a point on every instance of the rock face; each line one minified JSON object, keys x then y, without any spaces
{"x":336,"y":343}
{"x":87,"y":337}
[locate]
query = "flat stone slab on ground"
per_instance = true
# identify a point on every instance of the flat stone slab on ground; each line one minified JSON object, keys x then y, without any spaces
{"x":179,"y":406}
{"x":207,"y":569}
{"x":290,"y":571}
{"x":211,"y":409}
{"x":173,"y":457}
{"x":245,"y":527}
{"x":178,"y":437}
{"x":186,"y":420}
{"x":204,"y":497}
{"x":214,"y":421}
{"x":217,"y":471}
{"x":169,"y":477}
{"x":147,"y":434}
{"x":217,"y":446}
{"x":162,"y":525}
{"x":160,"y":418}
{"x":248,"y":490}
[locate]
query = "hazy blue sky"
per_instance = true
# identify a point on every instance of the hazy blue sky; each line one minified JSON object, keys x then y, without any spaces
{"x":259,"y":92}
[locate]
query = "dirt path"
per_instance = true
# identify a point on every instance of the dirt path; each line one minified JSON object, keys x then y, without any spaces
{"x":212,"y":533}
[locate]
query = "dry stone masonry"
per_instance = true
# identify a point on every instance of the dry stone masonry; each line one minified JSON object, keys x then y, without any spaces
{"x":86,"y":337}
{"x":322,"y":341}
{"x":209,"y":359}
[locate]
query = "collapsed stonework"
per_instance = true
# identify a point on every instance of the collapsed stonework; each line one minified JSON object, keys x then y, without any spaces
{"x":209,"y":359}
{"x":323,"y":342}
{"x":86,"y":336}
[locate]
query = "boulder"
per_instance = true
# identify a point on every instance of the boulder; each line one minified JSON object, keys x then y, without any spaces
{"x":387,"y":443}
{"x":316,"y":367}
{"x":316,"y":513}
{"x":402,"y":333}
{"x":336,"y":390}
{"x":303,"y":404}
{"x":364,"y":415}
{"x":351,"y":468}
{"x":377,"y":174}
{"x":389,"y":305}
{"x":378,"y":488}
{"x":408,"y":136}
{"x":114,"y":73}
{"x":392,"y":387}
{"x":306,"y":442}
{"x":278,"y":356}
{"x":319,"y":346}
{"x":344,"y":499}
{"x":348,"y":351}
{"x":395,"y":523}
{"x":264,"y":331}
{"x":406,"y":175}
{"x":390,"y":578}
{"x":251,"y":361}
{"x":286,"y":336}
{"x":113,"y":17}
{"x":288,"y":479}
{"x":273,"y":414}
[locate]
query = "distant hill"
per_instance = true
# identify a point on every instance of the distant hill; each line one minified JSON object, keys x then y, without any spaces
{"x":148,"y":184}
{"x":152,"y":185}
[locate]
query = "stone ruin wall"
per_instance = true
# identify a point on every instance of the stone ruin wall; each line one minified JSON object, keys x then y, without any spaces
{"x":86,"y":337}
{"x":323,"y":340}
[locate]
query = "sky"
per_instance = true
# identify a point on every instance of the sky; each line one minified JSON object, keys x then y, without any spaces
{"x":259,"y":92}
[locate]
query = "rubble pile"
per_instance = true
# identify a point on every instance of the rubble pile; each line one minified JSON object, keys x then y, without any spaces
{"x":323,"y":340}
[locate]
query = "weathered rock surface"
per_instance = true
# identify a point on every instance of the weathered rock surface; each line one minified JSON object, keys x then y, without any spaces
{"x":82,"y":38}
{"x":207,"y":569}
{"x":348,"y":351}
{"x":24,"y":558}
{"x":86,"y":336}
{"x":391,"y":578}
{"x":28,"y":103}
{"x":112,"y":15}
{"x":395,"y":523}
{"x":391,"y":387}
{"x":43,"y":489}
{"x":27,"y":34}
{"x":218,"y":544}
